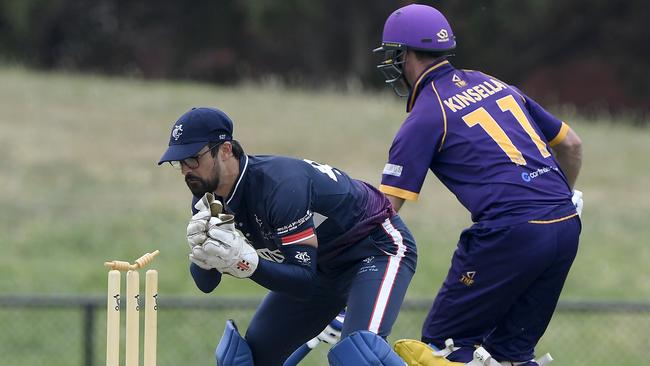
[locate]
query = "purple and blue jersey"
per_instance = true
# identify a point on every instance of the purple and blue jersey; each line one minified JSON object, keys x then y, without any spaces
{"x":486,"y":141}
{"x":490,"y":145}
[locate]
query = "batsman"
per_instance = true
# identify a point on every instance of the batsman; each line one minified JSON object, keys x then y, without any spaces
{"x":319,"y":240}
{"x":512,"y":164}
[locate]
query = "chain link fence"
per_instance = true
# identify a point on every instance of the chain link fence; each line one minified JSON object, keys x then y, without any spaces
{"x":58,"y":331}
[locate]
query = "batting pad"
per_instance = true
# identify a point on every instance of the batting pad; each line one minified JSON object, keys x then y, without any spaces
{"x":363,"y":348}
{"x":232,"y":349}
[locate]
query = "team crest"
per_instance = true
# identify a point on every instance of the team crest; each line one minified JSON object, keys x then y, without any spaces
{"x":177,"y":132}
{"x":458,"y":81}
{"x":467,"y":278}
{"x":303,"y":257}
{"x":443,"y":35}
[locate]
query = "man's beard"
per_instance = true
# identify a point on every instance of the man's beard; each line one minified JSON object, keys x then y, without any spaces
{"x":199,"y":186}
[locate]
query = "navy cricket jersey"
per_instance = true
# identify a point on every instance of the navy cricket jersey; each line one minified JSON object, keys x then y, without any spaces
{"x":278,"y":201}
{"x":486,"y":141}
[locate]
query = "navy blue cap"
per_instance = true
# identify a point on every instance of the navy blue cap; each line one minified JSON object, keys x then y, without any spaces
{"x":195,"y":129}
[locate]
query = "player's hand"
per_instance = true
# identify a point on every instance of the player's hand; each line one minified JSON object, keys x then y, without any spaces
{"x":204,"y":260}
{"x":577,"y":201}
{"x":201,"y":259}
{"x":209,"y":204}
{"x":208,"y":207}
{"x":230,"y":252}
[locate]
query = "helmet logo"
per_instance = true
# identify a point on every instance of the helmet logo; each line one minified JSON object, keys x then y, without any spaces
{"x":443,"y":35}
{"x":178,"y":131}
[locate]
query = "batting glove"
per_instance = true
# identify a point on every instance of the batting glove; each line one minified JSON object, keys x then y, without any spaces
{"x":329,"y":335}
{"x":332,"y":332}
{"x":577,"y":201}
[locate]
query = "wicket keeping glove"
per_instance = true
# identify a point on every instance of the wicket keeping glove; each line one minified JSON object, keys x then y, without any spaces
{"x":577,"y":201}
{"x":199,"y":257}
{"x":209,"y":213}
{"x":229,"y":251}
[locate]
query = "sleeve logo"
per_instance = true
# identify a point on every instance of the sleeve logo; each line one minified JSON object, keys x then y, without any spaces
{"x":303,"y":258}
{"x":393,"y":169}
{"x":271,"y":255}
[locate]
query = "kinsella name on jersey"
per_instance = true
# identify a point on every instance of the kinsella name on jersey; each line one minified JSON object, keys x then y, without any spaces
{"x":474,"y":95}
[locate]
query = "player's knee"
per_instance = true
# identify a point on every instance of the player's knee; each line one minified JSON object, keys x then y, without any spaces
{"x":232,"y":349}
{"x":363,"y":348}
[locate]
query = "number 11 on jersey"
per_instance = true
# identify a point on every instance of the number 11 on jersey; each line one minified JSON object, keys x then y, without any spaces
{"x":507,"y":104}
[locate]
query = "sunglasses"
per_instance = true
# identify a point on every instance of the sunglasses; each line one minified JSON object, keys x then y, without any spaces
{"x":192,"y":162}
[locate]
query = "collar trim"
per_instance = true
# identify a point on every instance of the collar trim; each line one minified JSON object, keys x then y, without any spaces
{"x":416,"y":86}
{"x":241,"y":176}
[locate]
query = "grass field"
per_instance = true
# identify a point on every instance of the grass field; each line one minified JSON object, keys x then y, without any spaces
{"x":80,"y":183}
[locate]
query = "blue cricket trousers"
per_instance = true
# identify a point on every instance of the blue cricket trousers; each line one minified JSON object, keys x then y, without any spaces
{"x":502,"y":288}
{"x":370,"y":278}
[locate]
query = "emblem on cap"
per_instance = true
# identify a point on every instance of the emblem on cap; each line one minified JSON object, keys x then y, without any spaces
{"x":177,"y":132}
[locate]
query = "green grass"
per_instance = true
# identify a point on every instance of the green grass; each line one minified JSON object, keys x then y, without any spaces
{"x":80,"y":184}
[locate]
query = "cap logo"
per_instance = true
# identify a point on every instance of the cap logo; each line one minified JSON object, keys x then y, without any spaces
{"x":177,"y":132}
{"x":443,"y":35}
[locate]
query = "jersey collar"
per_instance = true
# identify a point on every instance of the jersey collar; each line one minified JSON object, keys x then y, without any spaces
{"x":234,"y":200}
{"x":420,"y":83}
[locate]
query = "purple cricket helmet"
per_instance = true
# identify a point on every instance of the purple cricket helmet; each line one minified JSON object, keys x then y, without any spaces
{"x":415,"y":27}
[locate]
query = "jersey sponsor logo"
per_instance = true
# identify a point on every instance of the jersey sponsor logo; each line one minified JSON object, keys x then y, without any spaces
{"x":271,"y":255}
{"x":467,"y":278}
{"x":474,"y":95}
{"x":443,"y":35}
{"x":177,"y":132}
{"x":527,"y":177}
{"x":294,"y":225}
{"x":298,"y":237}
{"x":393,"y":169}
{"x":303,"y":258}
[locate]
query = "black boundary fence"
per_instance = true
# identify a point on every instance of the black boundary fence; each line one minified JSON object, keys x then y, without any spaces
{"x":93,"y":308}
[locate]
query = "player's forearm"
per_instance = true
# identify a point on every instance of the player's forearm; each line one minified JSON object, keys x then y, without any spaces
{"x":571,"y":168}
{"x":205,"y":280}
{"x":568,"y":154}
{"x":289,"y":278}
{"x":286,"y":278}
{"x":397,"y":202}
